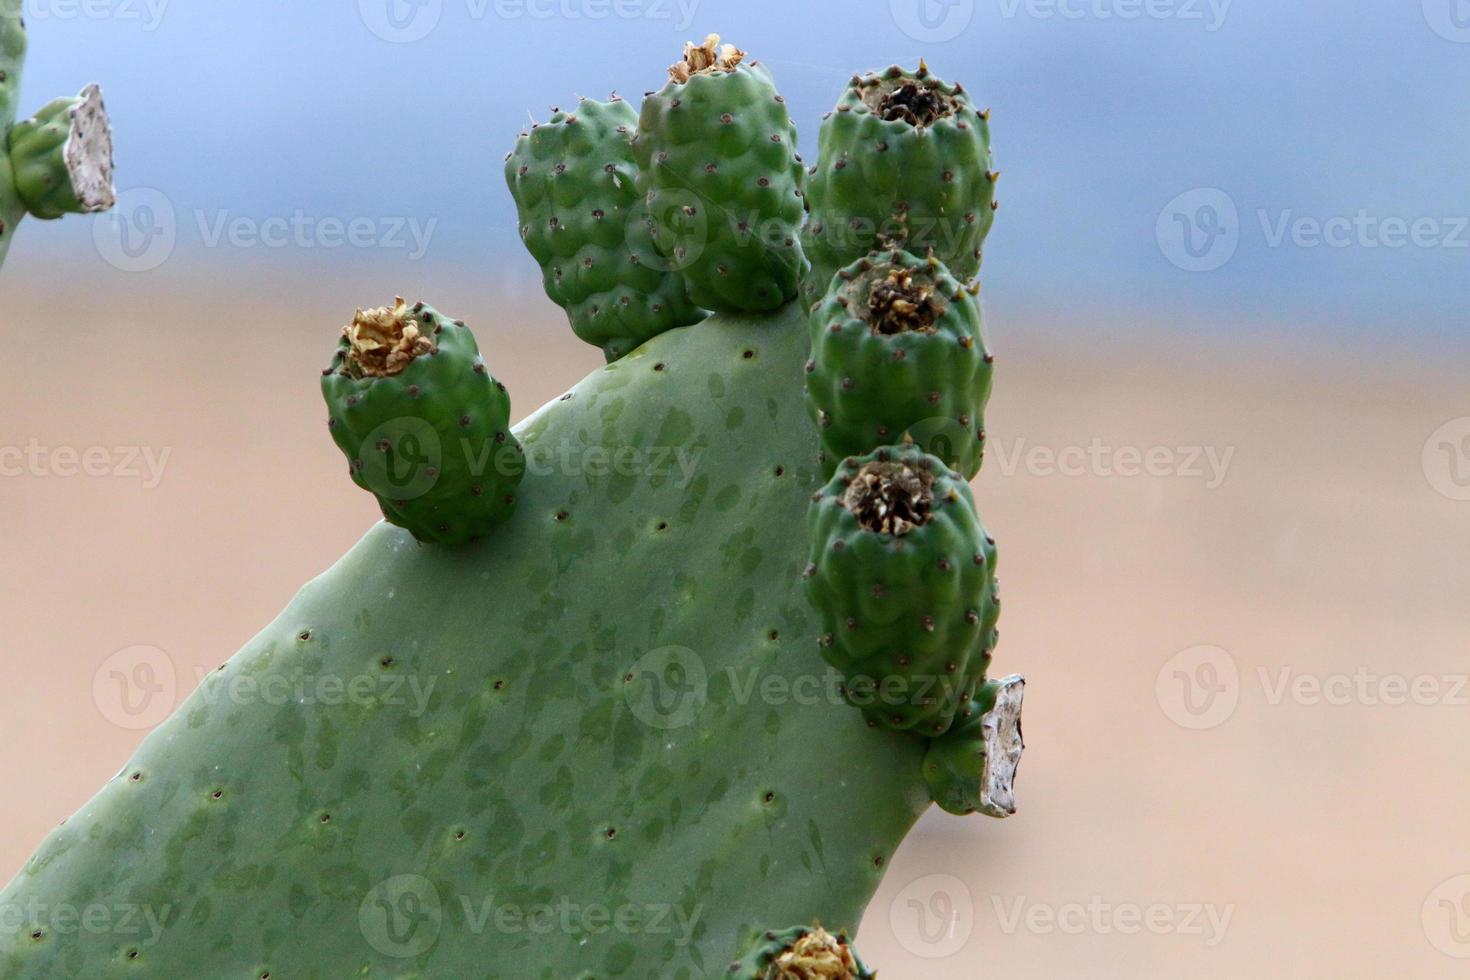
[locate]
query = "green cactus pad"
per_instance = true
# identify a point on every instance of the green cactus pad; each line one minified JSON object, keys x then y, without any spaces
{"x":598,"y":710}
{"x":905,"y":161}
{"x":424,"y":425}
{"x":585,"y":222}
{"x":897,"y":349}
{"x":903,"y":577}
{"x":972,"y":767}
{"x":800,"y":953}
{"x":717,"y":158}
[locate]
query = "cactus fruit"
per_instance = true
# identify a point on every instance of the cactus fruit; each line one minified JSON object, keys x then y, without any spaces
{"x":897,"y":349}
{"x":800,"y":953}
{"x":60,"y":161}
{"x":584,"y":221}
{"x":972,"y":767}
{"x":903,"y":576}
{"x":585,"y":746}
{"x":717,"y":158}
{"x":905,"y":161}
{"x":424,"y":425}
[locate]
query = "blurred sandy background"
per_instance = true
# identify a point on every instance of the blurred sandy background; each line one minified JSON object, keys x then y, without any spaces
{"x":1287,"y":838}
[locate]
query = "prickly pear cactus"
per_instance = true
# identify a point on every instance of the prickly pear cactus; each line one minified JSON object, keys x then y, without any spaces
{"x":905,"y":161}
{"x":579,"y":746}
{"x":717,"y":157}
{"x":897,"y":350}
{"x":60,"y":161}
{"x":583,"y":219}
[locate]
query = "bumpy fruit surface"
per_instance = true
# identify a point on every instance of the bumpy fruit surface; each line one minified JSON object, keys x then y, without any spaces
{"x":585,"y":222}
{"x":905,"y":160}
{"x":717,"y":158}
{"x":800,"y":953}
{"x":903,"y":576}
{"x":898,"y":350}
{"x":423,"y":424}
{"x":972,"y":767}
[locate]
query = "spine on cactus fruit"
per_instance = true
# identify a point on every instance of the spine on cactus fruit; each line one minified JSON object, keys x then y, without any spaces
{"x":584,"y":221}
{"x":905,"y":159}
{"x":902,"y":575}
{"x":717,"y":159}
{"x":799,"y":953}
{"x":424,"y":425}
{"x":898,"y":350}
{"x":972,"y":767}
{"x":62,"y":158}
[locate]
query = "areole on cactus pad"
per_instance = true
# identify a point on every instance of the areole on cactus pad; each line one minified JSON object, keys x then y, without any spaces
{"x":587,"y":686}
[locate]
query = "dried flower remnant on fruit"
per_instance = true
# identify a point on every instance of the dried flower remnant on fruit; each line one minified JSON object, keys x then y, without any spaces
{"x":890,"y":498}
{"x":816,"y":956}
{"x":383,"y":341}
{"x":897,"y":303}
{"x":706,"y":59}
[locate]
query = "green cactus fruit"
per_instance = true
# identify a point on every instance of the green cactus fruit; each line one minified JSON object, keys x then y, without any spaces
{"x":62,"y":158}
{"x":598,"y":718}
{"x":58,"y":163}
{"x":972,"y":767}
{"x":717,"y":158}
{"x":903,"y":577}
{"x":585,"y":222}
{"x":800,"y":953}
{"x":423,"y":424}
{"x":905,"y":161}
{"x":897,"y":349}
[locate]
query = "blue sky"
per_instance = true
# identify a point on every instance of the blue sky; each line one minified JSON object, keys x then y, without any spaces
{"x":1315,"y":153}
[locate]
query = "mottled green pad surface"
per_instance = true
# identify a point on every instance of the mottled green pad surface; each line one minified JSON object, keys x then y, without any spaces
{"x":268,"y":835}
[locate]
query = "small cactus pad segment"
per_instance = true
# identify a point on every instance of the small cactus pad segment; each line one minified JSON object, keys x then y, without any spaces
{"x":905,"y":160}
{"x":972,"y":767}
{"x":12,"y":59}
{"x":585,"y":223}
{"x":717,"y":160}
{"x":603,"y":712}
{"x":800,"y":953}
{"x":898,"y":350}
{"x":424,"y":425}
{"x":62,"y":158}
{"x":903,"y":577}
